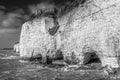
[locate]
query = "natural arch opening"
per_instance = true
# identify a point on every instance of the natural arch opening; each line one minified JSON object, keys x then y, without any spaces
{"x":91,"y":57}
{"x":59,"y":55}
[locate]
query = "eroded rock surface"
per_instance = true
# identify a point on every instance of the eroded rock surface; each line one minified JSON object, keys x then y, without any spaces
{"x":92,"y":27}
{"x":35,"y":38}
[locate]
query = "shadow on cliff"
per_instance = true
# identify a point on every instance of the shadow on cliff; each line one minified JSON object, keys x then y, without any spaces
{"x":90,"y":59}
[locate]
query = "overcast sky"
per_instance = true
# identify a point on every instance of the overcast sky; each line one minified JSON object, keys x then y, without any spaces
{"x":13,"y":14}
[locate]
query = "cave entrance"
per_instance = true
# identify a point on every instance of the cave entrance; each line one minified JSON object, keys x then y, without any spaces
{"x":91,"y":57}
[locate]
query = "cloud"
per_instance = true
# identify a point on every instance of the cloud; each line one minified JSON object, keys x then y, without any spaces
{"x":13,"y":19}
{"x":41,"y":6}
{"x":3,"y":31}
{"x":2,"y":7}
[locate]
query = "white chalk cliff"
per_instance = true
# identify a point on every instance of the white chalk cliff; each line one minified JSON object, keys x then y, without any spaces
{"x":93,"y":26}
{"x":16,"y":48}
{"x":35,"y":38}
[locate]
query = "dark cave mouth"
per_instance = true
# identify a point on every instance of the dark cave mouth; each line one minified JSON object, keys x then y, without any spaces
{"x":91,"y":57}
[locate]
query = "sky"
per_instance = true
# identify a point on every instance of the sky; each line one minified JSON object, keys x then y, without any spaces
{"x":13,"y":13}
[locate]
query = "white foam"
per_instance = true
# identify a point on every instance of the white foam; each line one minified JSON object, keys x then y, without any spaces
{"x":10,"y":57}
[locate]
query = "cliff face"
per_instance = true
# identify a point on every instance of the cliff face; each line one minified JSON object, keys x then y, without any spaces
{"x":35,"y":38}
{"x":92,"y":27}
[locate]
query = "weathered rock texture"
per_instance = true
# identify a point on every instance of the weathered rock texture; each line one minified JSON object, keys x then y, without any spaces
{"x":92,"y":27}
{"x":95,"y":26}
{"x":35,"y":38}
